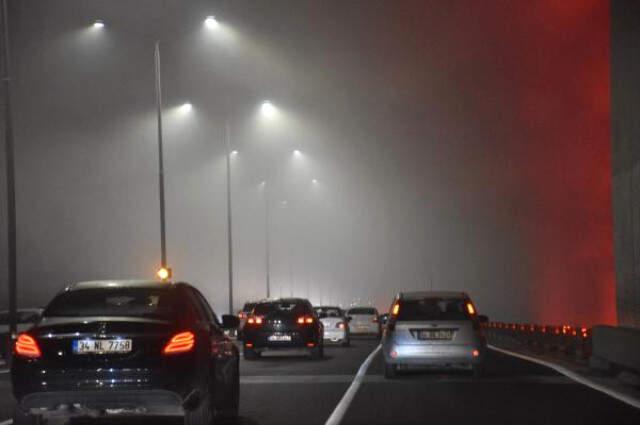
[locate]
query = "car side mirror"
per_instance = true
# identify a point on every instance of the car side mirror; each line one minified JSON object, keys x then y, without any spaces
{"x":230,"y":321}
{"x":482,"y":318}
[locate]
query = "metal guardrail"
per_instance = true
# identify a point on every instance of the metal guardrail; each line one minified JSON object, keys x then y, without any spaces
{"x":572,"y":342}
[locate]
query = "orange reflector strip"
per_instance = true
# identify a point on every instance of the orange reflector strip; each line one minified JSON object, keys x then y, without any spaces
{"x":396,"y":309}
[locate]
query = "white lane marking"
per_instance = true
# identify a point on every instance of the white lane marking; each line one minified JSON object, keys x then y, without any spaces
{"x":375,"y":379}
{"x":347,"y":398}
{"x":7,"y":422}
{"x":574,"y":376}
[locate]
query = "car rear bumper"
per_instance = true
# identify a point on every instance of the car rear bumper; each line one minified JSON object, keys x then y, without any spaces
{"x":299,"y":339}
{"x":334,"y":335}
{"x":365,"y":329}
{"x":102,"y":403}
{"x":432,"y":355}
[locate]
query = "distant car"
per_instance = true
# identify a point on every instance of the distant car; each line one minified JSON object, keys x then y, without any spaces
{"x":336,"y":325}
{"x":433,"y":329}
{"x":364,"y":321}
{"x":25,"y":319}
{"x":126,"y":349}
{"x":285,"y":323}
{"x":242,"y":316}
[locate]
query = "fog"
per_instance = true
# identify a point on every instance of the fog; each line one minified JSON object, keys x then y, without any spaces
{"x":456,"y":145}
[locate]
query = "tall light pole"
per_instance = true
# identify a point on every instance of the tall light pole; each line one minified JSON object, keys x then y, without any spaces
{"x":267,"y":238}
{"x":164,"y":272}
{"x":10,"y":175}
{"x":229,"y":221}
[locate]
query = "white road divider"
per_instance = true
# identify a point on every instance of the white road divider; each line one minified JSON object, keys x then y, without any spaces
{"x":347,"y":398}
{"x":574,"y":376}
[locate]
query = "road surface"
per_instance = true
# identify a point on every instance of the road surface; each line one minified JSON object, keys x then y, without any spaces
{"x":286,"y":390}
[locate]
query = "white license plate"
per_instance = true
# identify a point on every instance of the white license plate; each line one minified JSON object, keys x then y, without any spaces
{"x":435,"y":335}
{"x":101,"y":346}
{"x":279,"y":338}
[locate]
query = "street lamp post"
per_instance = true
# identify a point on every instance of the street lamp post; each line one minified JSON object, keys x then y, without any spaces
{"x":10,"y":176}
{"x":164,"y":272}
{"x":229,"y":219}
{"x":267,"y":241}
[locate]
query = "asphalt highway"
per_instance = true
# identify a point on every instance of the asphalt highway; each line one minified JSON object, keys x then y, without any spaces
{"x":286,"y":389}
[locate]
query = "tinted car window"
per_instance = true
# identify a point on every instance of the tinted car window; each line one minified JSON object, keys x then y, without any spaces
{"x":210,"y":314}
{"x":292,"y":307}
{"x":143,"y":302}
{"x":248,"y":307}
{"x":329,"y":312}
{"x":362,"y":310}
{"x":433,"y":309}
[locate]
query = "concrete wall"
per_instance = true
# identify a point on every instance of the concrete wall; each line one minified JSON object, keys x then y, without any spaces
{"x":625,"y":127}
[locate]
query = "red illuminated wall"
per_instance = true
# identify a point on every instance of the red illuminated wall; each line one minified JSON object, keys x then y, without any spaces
{"x":533,"y":77}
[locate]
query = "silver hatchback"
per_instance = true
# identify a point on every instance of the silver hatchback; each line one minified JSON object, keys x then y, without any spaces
{"x":433,"y":329}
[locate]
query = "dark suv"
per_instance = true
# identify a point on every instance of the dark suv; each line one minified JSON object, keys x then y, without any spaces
{"x":126,"y":348}
{"x":282,"y":324}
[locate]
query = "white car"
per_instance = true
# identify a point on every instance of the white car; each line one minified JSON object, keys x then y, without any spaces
{"x":364,"y":321}
{"x":336,"y":325}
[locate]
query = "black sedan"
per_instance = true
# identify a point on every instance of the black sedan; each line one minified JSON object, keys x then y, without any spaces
{"x":283,"y":324}
{"x":126,"y":348}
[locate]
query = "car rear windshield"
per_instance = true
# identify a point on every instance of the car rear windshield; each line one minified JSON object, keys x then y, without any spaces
{"x":433,"y":309}
{"x":283,"y":307}
{"x":131,"y":302}
{"x":329,"y":312}
{"x":248,"y":307}
{"x":362,"y":310}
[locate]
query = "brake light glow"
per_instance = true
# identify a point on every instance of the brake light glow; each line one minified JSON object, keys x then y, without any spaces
{"x":471,"y":309}
{"x":340,"y":325}
{"x":396,"y":309}
{"x":26,"y":346}
{"x":375,"y":319}
{"x":475,"y":353}
{"x":241,"y":315}
{"x":254,"y":320}
{"x":305,"y":320}
{"x":180,"y":343}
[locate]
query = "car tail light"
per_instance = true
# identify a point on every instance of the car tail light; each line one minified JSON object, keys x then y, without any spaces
{"x":471,"y":309}
{"x":241,"y":315}
{"x":180,"y":343}
{"x":305,"y":320}
{"x":254,"y":320}
{"x":340,"y":325}
{"x":396,"y":309}
{"x":375,"y":319}
{"x":475,"y":353}
{"x":26,"y":346}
